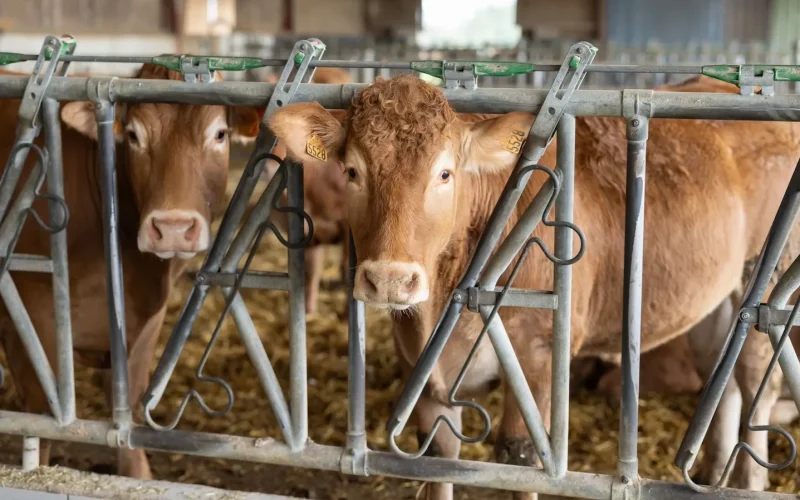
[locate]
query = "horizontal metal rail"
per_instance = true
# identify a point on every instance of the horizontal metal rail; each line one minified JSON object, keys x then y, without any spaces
{"x":600,"y":68}
{"x":687,"y":105}
{"x":322,"y":457}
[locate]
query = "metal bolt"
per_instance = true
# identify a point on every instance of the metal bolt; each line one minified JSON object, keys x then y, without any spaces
{"x":457,"y":297}
{"x":201,"y":278}
{"x":625,"y":480}
{"x":635,"y":122}
{"x":580,"y":50}
{"x":745,"y":316}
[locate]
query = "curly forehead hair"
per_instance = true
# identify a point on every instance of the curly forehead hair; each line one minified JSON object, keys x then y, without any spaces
{"x":402,"y":114}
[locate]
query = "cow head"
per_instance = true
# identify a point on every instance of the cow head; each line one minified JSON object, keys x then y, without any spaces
{"x":176,"y":163}
{"x":411,"y":166}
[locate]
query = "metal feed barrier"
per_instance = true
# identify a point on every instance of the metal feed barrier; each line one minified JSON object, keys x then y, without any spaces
{"x":559,"y":105}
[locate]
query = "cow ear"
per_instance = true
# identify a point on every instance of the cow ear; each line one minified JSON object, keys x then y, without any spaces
{"x":79,"y":115}
{"x":494,"y":144}
{"x":310,"y":133}
{"x":245,"y":122}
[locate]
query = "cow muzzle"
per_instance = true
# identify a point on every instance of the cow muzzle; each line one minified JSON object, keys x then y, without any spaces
{"x":170,"y":233}
{"x":395,"y":285}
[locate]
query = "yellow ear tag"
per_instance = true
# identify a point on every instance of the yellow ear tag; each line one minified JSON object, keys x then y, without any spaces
{"x":514,"y":142}
{"x":316,"y":149}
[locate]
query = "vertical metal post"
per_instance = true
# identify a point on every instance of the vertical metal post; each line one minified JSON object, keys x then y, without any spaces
{"x":562,"y":286}
{"x":58,"y":254}
{"x":297,"y":308}
{"x":356,"y":374}
{"x":30,"y":453}
{"x":104,"y":113}
{"x":637,"y":130}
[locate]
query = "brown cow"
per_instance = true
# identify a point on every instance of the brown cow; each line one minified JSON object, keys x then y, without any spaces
{"x":675,"y":366}
{"x":172,"y":164}
{"x":422,"y":184}
{"x":324,"y":193}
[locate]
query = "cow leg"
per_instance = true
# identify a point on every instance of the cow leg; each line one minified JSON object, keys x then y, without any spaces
{"x":706,"y":340}
{"x":445,"y":444}
{"x":315,"y":262}
{"x":750,"y":369}
{"x":133,"y":462}
{"x":514,"y":445}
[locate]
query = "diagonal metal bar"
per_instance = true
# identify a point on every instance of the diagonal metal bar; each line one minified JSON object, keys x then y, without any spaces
{"x":790,"y":365}
{"x":542,"y":132}
{"x":224,"y":256}
{"x":765,"y":267}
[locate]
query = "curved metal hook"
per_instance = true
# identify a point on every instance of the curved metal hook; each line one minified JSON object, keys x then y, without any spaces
{"x":282,"y":184}
{"x":756,"y":428}
{"x":193,"y":394}
{"x":43,"y":162}
{"x":423,"y":447}
{"x":550,"y":202}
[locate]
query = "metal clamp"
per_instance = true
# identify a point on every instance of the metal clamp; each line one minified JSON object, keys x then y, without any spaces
{"x":194,"y":69}
{"x":749,"y":76}
{"x":52,"y":50}
{"x":457,"y":75}
{"x":475,"y":297}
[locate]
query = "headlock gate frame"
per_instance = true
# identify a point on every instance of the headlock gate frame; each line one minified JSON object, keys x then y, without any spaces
{"x":560,"y":104}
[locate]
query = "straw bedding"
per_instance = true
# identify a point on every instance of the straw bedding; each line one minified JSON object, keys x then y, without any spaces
{"x":593,"y":421}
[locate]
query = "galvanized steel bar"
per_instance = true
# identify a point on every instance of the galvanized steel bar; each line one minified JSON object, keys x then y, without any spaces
{"x":244,"y":322}
{"x":689,"y":105}
{"x":516,"y":238}
{"x":562,"y":286}
{"x":765,"y":267}
{"x":356,"y":369}
{"x":541,"y":132}
{"x":104,"y":114}
{"x":515,"y":378}
{"x":332,"y":63}
{"x":297,"y":307}
{"x":266,"y":373}
{"x":33,"y":346}
{"x":637,"y":133}
{"x":321,"y":457}
{"x":58,"y":256}
{"x":11,"y":226}
{"x":264,"y":144}
{"x":790,"y":365}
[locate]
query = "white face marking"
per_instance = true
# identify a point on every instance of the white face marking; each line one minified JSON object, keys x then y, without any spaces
{"x":136,"y":135}
{"x":355,"y":161}
{"x":440,"y":189}
{"x":218,"y":127}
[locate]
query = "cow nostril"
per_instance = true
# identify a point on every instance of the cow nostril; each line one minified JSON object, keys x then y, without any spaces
{"x":411,"y":283}
{"x":193,"y":231}
{"x":155,"y":233}
{"x":368,"y":281}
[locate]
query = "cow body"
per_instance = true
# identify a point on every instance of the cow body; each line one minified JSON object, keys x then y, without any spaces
{"x":422,"y":184}
{"x":172,"y":166}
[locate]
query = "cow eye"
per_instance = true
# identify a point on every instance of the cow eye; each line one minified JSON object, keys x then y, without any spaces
{"x":221,"y":135}
{"x":351,"y":172}
{"x":132,"y":137}
{"x":445,"y":175}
